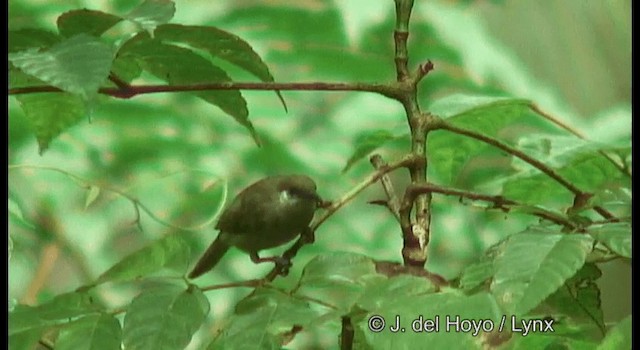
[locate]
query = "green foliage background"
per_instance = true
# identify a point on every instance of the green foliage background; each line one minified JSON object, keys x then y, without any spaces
{"x":179,"y":155}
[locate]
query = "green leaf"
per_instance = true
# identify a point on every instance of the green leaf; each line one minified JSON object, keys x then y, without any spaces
{"x":419,"y":315}
{"x":461,"y":105}
{"x":368,"y":141}
{"x":476,"y":274}
{"x":79,"y":64}
{"x":534,"y":264}
{"x":218,"y":43}
{"x":51,"y":114}
{"x":164,"y":318}
{"x":94,"y":192}
{"x":170,"y":251}
{"x":85,"y":21}
{"x":382,"y":291}
{"x":23,"y":39}
{"x":263,"y":319}
{"x":91,"y":332}
{"x":616,"y":236}
{"x":576,"y":306}
{"x":151,"y":13}
{"x":618,"y":337}
{"x":15,"y":212}
{"x":337,"y":278}
{"x":59,"y":310}
{"x":180,"y":66}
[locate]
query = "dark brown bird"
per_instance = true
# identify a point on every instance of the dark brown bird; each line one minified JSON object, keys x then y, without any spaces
{"x":267,"y":214}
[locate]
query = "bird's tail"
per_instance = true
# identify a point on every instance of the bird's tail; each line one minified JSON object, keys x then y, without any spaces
{"x":211,"y":257}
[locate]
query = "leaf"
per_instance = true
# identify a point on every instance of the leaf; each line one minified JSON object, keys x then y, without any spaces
{"x":577,"y":306}
{"x":180,"y":66}
{"x":460,"y":105}
{"x":15,"y":212}
{"x":91,"y":332}
{"x":381,"y":291}
{"x":85,"y":21}
{"x":23,"y":39}
{"x":170,"y":251}
{"x":337,"y":278}
{"x":616,"y":236}
{"x":59,"y":310}
{"x":79,"y":64}
{"x":94,"y":192}
{"x":51,"y":114}
{"x":619,"y":336}
{"x":151,"y":13}
{"x":263,"y":319}
{"x":534,"y":264}
{"x":418,"y":316}
{"x":218,"y":43}
{"x":476,"y":274}
{"x":368,"y":141}
{"x":164,"y":318}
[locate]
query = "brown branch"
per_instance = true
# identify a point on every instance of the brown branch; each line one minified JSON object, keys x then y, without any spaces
{"x":534,"y":107}
{"x":528,"y":159}
{"x":499,"y":202}
{"x":346,"y":334}
{"x":249,"y":283}
{"x":129,"y":91}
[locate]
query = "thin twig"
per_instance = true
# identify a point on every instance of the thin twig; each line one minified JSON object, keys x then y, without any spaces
{"x":392,"y":199}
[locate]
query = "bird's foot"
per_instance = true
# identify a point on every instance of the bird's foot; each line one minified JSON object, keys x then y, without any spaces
{"x":282,"y":264}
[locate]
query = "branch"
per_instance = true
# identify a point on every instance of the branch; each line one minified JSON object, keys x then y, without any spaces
{"x":530,"y":160}
{"x":499,"y":202}
{"x":127,"y":91}
{"x":534,"y":107}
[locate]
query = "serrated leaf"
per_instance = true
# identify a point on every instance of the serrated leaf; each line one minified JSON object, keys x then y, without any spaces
{"x":218,"y":43}
{"x":79,"y":64}
{"x":379,"y":291}
{"x":24,"y":39}
{"x":577,"y":305}
{"x":476,"y":274}
{"x":262,"y":320}
{"x":59,"y":310}
{"x":164,"y":318}
{"x":418,"y":316}
{"x":151,"y":13}
{"x":170,"y":251}
{"x":181,"y":66}
{"x":51,"y":114}
{"x":368,"y":141}
{"x":337,"y":278}
{"x":616,"y":236}
{"x":86,"y":21}
{"x":534,"y":264}
{"x":619,"y":336}
{"x":92,"y":195}
{"x":91,"y":332}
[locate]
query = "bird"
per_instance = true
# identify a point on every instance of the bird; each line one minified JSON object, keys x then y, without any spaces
{"x":266,"y":214}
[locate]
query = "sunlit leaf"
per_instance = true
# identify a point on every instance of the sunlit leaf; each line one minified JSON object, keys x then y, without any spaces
{"x":79,"y":64}
{"x":171,"y":251}
{"x":534,"y":264}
